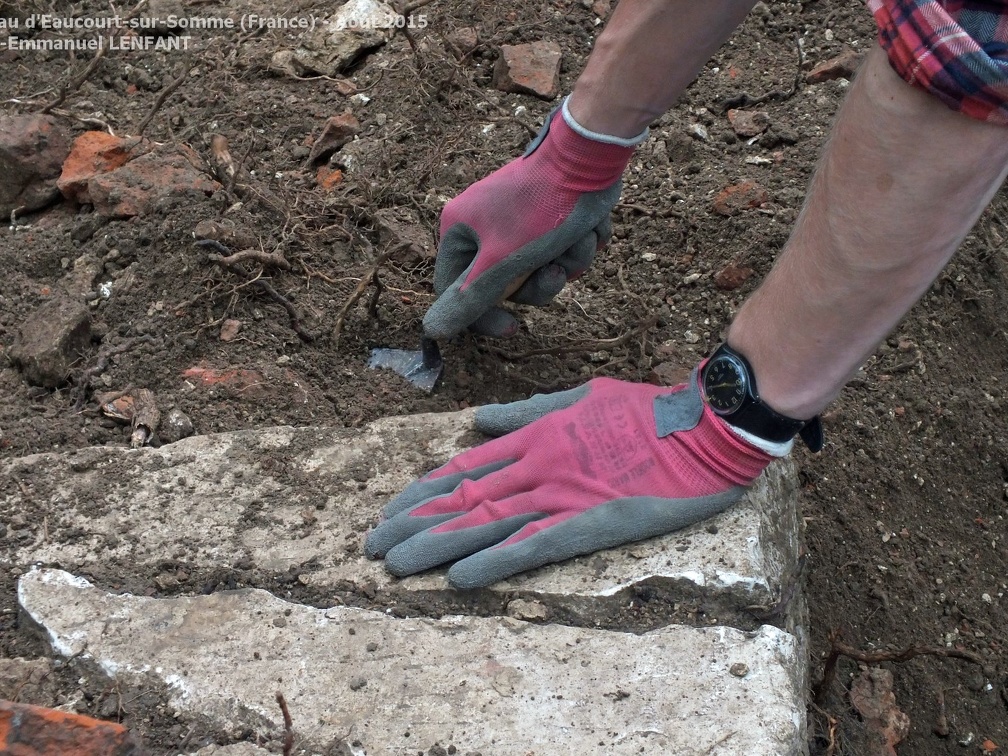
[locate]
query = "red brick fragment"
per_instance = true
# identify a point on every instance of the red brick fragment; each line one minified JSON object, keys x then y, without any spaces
{"x":732,"y":276}
{"x":93,"y":152}
{"x":37,"y":731}
{"x":746,"y":195}
{"x":842,"y":66}
{"x":532,"y":68}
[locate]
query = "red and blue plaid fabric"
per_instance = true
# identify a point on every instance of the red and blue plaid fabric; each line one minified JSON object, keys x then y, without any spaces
{"x":955,"y":49}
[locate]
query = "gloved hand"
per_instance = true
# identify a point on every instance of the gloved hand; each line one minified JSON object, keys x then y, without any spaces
{"x":542,"y":216}
{"x":594,"y":467}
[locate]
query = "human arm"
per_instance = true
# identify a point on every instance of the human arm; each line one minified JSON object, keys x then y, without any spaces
{"x":901,"y":182}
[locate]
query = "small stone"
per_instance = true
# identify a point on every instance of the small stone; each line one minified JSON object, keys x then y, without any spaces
{"x":738,"y":669}
{"x":357,"y":683}
{"x":328,"y":178}
{"x":842,"y":66}
{"x":282,"y":622}
{"x":668,"y":374}
{"x":732,"y":276}
{"x":526,"y":610}
{"x":698,"y":131}
{"x":747,"y":123}
{"x":745,"y":195}
{"x":601,"y":8}
{"x":356,"y":27}
{"x":285,"y":63}
{"x":229,"y":329}
{"x":165,"y":582}
{"x":51,"y":341}
{"x":225,"y":232}
{"x":336,"y":132}
{"x":532,"y":68}
{"x":175,"y":427}
{"x":32,"y":151}
{"x":463,"y":40}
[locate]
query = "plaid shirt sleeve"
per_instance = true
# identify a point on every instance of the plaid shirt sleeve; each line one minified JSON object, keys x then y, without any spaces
{"x":955,"y":49}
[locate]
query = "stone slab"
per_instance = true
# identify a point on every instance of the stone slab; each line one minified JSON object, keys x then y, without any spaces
{"x":285,"y":500}
{"x":497,"y":686}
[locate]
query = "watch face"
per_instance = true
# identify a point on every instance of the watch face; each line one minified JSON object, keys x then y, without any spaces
{"x":725,"y":384}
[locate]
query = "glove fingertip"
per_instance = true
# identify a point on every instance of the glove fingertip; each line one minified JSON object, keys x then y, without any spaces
{"x":496,"y":323}
{"x":500,"y":419}
{"x":438,"y":322}
{"x":373,"y":549}
{"x":468,"y":574}
{"x":542,"y":286}
{"x":493,"y":420}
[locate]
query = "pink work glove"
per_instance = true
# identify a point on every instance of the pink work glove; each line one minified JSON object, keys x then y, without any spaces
{"x":587,"y":469}
{"x":542,"y":216}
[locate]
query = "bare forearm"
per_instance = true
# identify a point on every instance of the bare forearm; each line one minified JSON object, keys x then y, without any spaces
{"x":649,"y":52}
{"x":902,"y":181}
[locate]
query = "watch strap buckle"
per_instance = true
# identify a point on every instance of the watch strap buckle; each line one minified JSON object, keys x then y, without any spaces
{"x":812,"y":434}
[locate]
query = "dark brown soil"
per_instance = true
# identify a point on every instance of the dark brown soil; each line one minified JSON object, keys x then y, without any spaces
{"x":905,"y":506}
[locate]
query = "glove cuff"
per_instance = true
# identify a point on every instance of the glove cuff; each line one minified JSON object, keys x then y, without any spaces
{"x":773,"y":448}
{"x":596,"y":136}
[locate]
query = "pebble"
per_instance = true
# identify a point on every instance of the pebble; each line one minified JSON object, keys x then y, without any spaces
{"x":738,"y":669}
{"x":175,"y":427}
{"x":526,"y":610}
{"x":698,"y":131}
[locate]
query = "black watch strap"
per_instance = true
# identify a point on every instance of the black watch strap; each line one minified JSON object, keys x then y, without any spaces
{"x":756,"y":417}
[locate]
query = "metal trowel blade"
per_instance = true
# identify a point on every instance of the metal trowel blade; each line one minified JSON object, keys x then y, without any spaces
{"x":422,"y":367}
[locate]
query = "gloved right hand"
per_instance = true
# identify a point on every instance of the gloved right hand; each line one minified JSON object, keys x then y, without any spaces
{"x":539,"y":219}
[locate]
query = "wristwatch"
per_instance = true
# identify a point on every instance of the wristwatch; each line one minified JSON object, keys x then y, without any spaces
{"x":730,"y":389}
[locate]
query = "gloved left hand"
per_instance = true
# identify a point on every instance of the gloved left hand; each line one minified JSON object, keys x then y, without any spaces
{"x":591,"y":468}
{"x":526,"y":229}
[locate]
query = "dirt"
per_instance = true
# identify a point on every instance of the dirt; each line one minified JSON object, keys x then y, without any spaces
{"x":904,"y":508}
